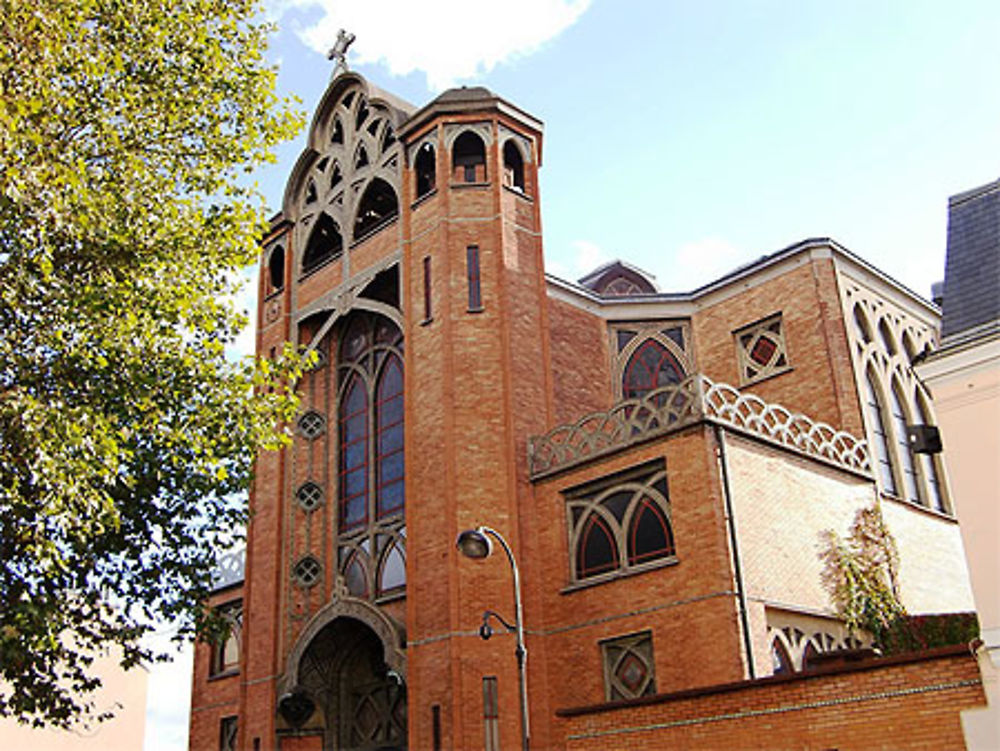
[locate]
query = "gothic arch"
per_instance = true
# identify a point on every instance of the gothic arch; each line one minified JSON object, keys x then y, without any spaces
{"x":884,"y":338}
{"x":329,"y":178}
{"x":391,"y":633}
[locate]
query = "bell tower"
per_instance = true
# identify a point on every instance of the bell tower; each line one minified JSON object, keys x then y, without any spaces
{"x":477,"y":370}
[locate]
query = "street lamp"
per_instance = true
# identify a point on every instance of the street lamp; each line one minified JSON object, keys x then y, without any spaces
{"x":476,"y":543}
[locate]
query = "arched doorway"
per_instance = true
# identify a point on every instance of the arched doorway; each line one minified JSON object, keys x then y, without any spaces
{"x":360,"y":699}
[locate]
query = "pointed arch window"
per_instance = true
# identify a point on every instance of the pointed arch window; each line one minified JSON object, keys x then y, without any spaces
{"x":355,"y":576}
{"x":325,"y":243}
{"x":276,"y":268}
{"x":389,"y":444}
{"x":354,"y":454}
{"x":620,"y":524}
{"x":929,"y":464}
{"x":392,"y":572}
{"x":513,"y":167}
{"x":596,"y":550}
{"x":907,"y":463}
{"x":649,"y":533}
{"x":650,"y":367}
{"x":781,"y":661}
{"x":879,"y":436}
{"x":377,"y":207}
{"x":372,"y":494}
{"x":425,"y":167}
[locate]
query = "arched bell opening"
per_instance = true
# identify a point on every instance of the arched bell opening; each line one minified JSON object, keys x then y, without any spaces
{"x":346,"y":690}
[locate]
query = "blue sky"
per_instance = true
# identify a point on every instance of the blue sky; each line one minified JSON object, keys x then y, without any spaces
{"x":688,"y":138}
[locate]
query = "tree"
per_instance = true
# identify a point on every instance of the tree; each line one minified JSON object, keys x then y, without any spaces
{"x":127,"y":130}
{"x":861,"y":573}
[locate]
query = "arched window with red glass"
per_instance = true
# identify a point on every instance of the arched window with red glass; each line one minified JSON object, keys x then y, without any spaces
{"x":649,"y":534}
{"x":597,"y":551}
{"x":651,"y":366}
{"x":620,"y":524}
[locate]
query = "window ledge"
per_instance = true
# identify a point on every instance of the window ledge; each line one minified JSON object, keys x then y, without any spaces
{"x":388,"y":221}
{"x":459,"y":186}
{"x":231,"y":673}
{"x":276,"y":293}
{"x":424,"y":198}
{"x":391,"y":596}
{"x":611,"y":576}
{"x":919,"y":507}
{"x":519,"y":193}
{"x":768,"y":376}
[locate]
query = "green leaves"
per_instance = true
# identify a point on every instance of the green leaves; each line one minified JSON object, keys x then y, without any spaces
{"x":127,"y":437}
{"x":861,"y":574}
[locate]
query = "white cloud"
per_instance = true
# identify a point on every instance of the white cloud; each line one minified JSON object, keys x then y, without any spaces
{"x":587,"y":256}
{"x":582,"y":257}
{"x":699,"y":262}
{"x":447,"y":40}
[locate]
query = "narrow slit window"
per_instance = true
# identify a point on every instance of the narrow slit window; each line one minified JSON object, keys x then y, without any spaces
{"x":906,"y":459}
{"x":427,"y":289}
{"x":930,"y":466}
{"x":491,"y":714}
{"x":436,"y":727}
{"x":880,"y":441}
{"x":472,"y":272}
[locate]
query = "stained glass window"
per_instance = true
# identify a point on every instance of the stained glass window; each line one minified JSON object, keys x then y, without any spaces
{"x":629,"y":670}
{"x":650,"y":367}
{"x":372,"y":494}
{"x":760,"y":349}
{"x":620,"y":524}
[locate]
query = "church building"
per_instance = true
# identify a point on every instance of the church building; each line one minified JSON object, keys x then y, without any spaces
{"x":662,"y":464}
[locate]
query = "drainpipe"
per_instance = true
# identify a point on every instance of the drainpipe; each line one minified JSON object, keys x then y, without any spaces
{"x":741,"y":595}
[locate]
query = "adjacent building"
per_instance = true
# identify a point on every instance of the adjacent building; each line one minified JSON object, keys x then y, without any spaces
{"x":963,"y":375}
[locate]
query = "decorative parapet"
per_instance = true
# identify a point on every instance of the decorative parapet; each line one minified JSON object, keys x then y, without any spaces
{"x":628,"y":422}
{"x":773,"y":422}
{"x":668,"y":409}
{"x":229,"y":569}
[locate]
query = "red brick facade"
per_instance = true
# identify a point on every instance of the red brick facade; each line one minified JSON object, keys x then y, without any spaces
{"x":329,"y":629}
{"x":908,"y":703}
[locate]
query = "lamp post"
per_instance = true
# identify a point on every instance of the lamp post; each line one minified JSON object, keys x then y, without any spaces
{"x":475,"y":543}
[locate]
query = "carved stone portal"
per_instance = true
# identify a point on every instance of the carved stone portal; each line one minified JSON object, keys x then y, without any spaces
{"x":360,"y":701}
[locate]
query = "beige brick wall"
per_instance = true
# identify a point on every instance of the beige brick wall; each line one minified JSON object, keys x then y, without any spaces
{"x":782,"y":505}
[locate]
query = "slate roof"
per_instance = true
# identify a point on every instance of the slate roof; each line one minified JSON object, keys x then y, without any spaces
{"x":972,"y":269}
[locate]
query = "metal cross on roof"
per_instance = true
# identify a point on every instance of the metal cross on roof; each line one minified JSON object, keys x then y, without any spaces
{"x":338,"y":52}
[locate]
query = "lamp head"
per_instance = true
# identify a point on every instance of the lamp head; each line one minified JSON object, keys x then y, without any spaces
{"x":474,"y":543}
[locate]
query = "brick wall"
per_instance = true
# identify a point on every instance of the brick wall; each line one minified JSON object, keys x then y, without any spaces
{"x":577,"y":337}
{"x":689,"y":606}
{"x":911,"y":702}
{"x":784,"y":503}
{"x":819,"y":381}
{"x":212,"y":698}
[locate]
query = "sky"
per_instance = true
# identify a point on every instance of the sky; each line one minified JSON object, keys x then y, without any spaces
{"x":686,"y":138}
